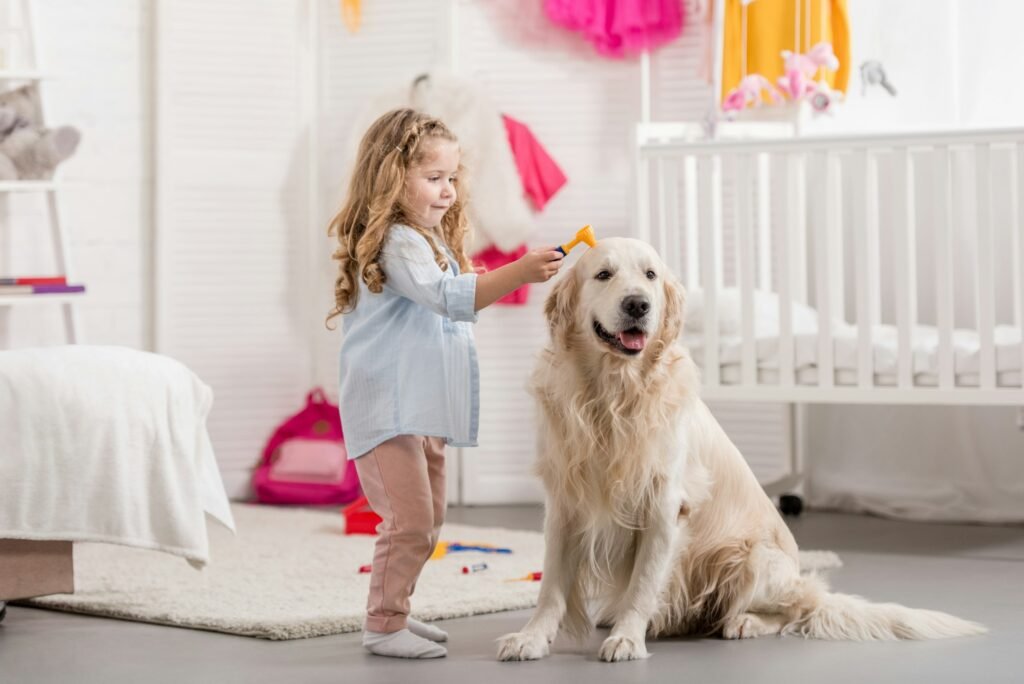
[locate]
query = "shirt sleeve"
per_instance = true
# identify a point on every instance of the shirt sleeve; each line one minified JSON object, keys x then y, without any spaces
{"x":408,"y":263}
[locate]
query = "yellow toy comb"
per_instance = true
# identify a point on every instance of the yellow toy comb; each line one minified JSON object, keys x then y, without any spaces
{"x":584,"y":234}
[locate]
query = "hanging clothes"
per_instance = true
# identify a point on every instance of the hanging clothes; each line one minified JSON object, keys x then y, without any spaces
{"x":499,"y":212}
{"x":541,"y":176}
{"x":771,"y":27}
{"x":620,"y":28}
{"x":541,"y":179}
{"x":492,"y":258}
{"x":351,"y":14}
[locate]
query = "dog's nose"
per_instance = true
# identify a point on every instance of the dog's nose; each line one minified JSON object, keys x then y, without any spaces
{"x":636,"y":306}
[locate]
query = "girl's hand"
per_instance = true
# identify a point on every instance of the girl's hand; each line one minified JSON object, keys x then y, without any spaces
{"x":539,"y":265}
{"x":536,"y":266}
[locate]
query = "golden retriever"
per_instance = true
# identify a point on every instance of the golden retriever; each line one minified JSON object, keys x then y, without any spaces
{"x":651,"y":512}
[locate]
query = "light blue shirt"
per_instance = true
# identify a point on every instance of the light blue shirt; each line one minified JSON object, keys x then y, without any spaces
{"x":408,"y":359}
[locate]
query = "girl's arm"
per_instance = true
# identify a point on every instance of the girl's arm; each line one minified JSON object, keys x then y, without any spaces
{"x":412,"y":272}
{"x":536,"y":266}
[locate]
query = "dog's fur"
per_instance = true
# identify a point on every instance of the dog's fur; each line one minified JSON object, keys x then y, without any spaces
{"x":651,"y":511}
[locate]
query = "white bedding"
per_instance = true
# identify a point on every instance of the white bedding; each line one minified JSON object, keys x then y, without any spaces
{"x":107,"y":444}
{"x":885,"y":346}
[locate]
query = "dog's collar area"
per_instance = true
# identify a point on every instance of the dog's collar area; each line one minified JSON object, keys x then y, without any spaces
{"x":613,"y":341}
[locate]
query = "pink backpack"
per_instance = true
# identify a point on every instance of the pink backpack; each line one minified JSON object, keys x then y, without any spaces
{"x":305,"y":461}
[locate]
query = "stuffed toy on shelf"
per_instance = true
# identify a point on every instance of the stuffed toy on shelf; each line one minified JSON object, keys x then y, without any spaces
{"x":29,"y":150}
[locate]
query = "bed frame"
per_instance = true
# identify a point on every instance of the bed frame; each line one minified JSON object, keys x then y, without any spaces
{"x":34,"y":568}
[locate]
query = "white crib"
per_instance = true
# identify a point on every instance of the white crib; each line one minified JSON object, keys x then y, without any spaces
{"x":835,"y":269}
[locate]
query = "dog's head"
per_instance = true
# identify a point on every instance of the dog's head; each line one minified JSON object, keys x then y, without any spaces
{"x":618,"y":299}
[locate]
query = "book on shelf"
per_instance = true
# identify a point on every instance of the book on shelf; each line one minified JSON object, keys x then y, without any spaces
{"x":40,"y":289}
{"x":34,"y":280}
{"x":15,"y":289}
{"x":57,"y":289}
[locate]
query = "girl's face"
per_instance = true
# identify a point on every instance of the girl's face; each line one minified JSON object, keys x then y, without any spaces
{"x":430,"y":184}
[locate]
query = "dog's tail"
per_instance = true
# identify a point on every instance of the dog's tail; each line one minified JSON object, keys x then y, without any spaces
{"x":828,"y":615}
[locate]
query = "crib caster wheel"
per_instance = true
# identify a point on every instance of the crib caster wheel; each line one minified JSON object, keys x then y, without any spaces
{"x":791,"y":504}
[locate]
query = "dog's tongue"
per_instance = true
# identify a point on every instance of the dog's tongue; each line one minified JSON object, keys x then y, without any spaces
{"x":632,"y":340}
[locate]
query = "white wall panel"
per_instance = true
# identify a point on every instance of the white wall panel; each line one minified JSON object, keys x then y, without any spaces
{"x":231,"y":223}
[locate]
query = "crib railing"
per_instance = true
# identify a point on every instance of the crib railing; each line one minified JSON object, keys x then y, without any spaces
{"x":868,"y":230}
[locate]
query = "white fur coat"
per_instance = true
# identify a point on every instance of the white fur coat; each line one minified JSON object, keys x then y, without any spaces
{"x":498,"y":209}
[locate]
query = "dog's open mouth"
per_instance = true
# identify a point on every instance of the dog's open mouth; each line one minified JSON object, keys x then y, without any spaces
{"x":630,"y":341}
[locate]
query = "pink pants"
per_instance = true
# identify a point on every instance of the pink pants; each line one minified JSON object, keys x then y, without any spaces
{"x":403,"y":479}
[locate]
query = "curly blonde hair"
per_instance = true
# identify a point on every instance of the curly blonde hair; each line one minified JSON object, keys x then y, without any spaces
{"x":393,"y":144}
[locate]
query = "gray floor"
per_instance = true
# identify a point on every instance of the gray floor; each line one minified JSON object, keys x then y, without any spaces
{"x":972,"y":571}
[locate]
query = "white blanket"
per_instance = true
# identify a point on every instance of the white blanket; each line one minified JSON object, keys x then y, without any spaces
{"x":107,"y":444}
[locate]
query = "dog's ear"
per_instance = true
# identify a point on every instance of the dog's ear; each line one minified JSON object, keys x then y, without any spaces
{"x":672,"y":318}
{"x":560,"y":309}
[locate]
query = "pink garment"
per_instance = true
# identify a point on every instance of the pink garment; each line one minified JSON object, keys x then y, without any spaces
{"x":540,"y":174}
{"x":491,"y":258}
{"x":620,"y":28}
{"x":541,"y":179}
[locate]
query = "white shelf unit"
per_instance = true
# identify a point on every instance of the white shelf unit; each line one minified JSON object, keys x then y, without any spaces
{"x":49,"y":188}
{"x":28,"y":186}
{"x":35,"y":299}
{"x":22,"y":75}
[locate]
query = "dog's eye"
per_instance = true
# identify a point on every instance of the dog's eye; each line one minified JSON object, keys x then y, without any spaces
{"x":604,"y":275}
{"x":651,"y":275}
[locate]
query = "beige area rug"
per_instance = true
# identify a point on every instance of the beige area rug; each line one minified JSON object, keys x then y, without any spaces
{"x":290,"y":574}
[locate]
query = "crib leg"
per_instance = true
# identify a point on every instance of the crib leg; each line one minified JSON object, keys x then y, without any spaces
{"x":790,"y":488}
{"x":3,"y":610}
{"x":798,"y":444}
{"x":791,"y":505}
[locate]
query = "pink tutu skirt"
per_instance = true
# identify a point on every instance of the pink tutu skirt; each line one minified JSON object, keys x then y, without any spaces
{"x":619,"y":28}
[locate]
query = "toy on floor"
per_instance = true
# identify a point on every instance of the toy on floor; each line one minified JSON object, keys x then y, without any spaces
{"x":531,"y":577}
{"x":475,"y":567}
{"x":444,"y":548}
{"x":584,"y":234}
{"x":360,"y":518}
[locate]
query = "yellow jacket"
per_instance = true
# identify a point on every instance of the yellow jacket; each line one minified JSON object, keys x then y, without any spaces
{"x":771,"y":29}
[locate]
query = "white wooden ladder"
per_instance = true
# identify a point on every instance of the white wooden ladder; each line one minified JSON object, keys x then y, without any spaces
{"x":19,"y":29}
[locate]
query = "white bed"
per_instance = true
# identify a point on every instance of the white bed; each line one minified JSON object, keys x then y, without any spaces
{"x":107,"y":444}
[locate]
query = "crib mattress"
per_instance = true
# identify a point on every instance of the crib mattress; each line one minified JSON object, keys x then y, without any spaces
{"x":885,"y":352}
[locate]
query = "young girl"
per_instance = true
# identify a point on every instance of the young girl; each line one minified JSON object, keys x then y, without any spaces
{"x":409,"y":377}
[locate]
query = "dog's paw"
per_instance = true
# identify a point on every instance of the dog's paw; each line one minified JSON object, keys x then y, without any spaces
{"x":751,"y":625}
{"x":522,"y":646}
{"x":740,"y":627}
{"x":618,"y":648}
